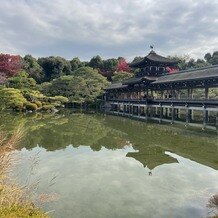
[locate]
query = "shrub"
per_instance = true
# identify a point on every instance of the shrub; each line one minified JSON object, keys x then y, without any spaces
{"x":38,"y":103}
{"x":47,"y":107}
{"x":60,"y":99}
{"x":31,"y":106}
{"x":11,"y":98}
{"x":21,"y":211}
{"x":32,"y":95}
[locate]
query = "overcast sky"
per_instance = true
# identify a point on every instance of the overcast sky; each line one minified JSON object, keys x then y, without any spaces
{"x":110,"y":28}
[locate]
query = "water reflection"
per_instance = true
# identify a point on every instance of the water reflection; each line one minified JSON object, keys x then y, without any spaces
{"x":152,"y":157}
{"x":103,"y":165}
{"x":150,"y":141}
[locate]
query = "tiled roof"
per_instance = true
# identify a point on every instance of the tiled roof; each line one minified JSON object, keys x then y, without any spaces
{"x":188,"y":75}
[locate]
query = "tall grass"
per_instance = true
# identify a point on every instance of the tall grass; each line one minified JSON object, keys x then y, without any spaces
{"x":14,"y":200}
{"x":213,"y":205}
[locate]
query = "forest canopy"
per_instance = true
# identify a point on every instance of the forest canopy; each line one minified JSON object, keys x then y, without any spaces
{"x":28,"y":83}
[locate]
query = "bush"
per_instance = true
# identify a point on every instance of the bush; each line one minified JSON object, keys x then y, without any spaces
{"x":32,"y":95}
{"x":31,"y":106}
{"x":21,"y":211}
{"x":60,"y":99}
{"x":11,"y":98}
{"x":17,"y":105}
{"x":47,"y":107}
{"x":38,"y":103}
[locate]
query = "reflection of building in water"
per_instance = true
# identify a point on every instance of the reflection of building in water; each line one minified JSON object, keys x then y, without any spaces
{"x":152,"y":156}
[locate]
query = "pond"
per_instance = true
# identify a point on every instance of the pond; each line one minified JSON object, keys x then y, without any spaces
{"x":106,"y":166}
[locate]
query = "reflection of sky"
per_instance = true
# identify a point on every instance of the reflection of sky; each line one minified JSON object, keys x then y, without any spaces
{"x":109,"y":184}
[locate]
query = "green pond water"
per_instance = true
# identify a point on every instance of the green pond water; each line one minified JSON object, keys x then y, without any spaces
{"x":106,"y":166}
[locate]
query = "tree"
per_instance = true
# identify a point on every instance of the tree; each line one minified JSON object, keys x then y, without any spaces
{"x":10,"y":65}
{"x":96,"y":62}
{"x":21,"y":81}
{"x":110,"y":65}
{"x":74,"y":88}
{"x":84,"y":86}
{"x":137,"y":58}
{"x":75,"y":63}
{"x":121,"y":76}
{"x":212,"y":59}
{"x":123,"y":66}
{"x":95,"y":82}
{"x":54,"y":67}
{"x":32,"y":67}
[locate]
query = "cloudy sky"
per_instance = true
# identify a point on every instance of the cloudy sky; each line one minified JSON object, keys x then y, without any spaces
{"x":110,"y":28}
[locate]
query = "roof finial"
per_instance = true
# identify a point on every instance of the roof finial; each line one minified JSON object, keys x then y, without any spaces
{"x":151,"y":47}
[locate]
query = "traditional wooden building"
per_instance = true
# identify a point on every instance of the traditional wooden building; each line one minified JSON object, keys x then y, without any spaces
{"x":161,"y":92}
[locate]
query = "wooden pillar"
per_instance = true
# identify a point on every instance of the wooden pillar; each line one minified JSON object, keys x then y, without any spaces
{"x":162,"y":94}
{"x":138,"y":110}
{"x":146,"y":112}
{"x":187,"y":116}
{"x":206,"y":93}
{"x":123,"y":109}
{"x":161,"y":113}
{"x":172,"y":114}
{"x":132,"y":109}
{"x":179,"y":94}
{"x":166,"y":112}
{"x":205,"y":118}
{"x":190,"y":93}
{"x":176,"y":113}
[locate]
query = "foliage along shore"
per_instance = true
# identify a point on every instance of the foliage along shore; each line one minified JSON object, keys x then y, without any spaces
{"x":43,"y":84}
{"x":14,"y":199}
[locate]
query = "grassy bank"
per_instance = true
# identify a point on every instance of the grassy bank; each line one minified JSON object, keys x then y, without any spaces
{"x":14,"y":199}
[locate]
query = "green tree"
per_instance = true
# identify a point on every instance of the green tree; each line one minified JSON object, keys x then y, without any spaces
{"x":32,"y":67}
{"x":110,"y":65}
{"x":21,"y":81}
{"x":95,"y":82}
{"x":75,"y":63}
{"x":212,"y":59}
{"x":84,"y":86}
{"x":137,"y":58}
{"x":74,"y":88}
{"x":96,"y":62}
{"x":121,"y":76}
{"x":54,"y":67}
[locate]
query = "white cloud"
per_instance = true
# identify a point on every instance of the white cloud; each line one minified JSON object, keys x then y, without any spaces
{"x":110,"y":28}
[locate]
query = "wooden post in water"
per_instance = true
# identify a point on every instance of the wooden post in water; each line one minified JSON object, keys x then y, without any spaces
{"x":132,"y":110}
{"x":187,"y":116}
{"x":205,"y":117}
{"x":161,"y":113}
{"x":172,"y":114}
{"x":146,"y":111}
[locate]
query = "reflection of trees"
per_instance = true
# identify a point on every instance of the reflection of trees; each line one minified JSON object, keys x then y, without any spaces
{"x":152,"y":156}
{"x":198,"y":147}
{"x":58,"y":131}
{"x":61,"y":131}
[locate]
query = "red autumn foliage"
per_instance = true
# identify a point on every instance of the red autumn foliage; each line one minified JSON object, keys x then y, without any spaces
{"x":172,"y":70}
{"x":10,"y":65}
{"x":123,"y":66}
